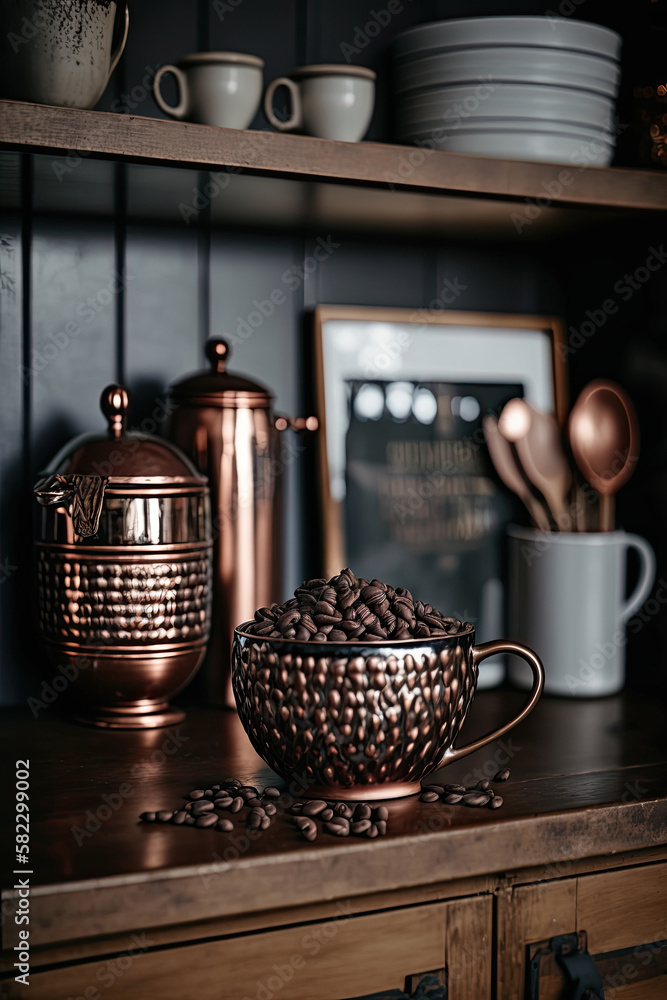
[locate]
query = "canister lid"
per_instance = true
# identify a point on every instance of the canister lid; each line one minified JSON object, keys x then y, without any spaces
{"x":122,"y":456}
{"x":218,"y":387}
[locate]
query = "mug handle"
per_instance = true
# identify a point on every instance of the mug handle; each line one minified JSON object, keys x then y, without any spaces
{"x":646,"y":575}
{"x":296,"y":118}
{"x":176,"y":110}
{"x":117,"y":52}
{"x":480,"y":653}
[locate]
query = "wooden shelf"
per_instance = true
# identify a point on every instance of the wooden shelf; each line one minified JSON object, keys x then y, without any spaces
{"x":365,"y":185}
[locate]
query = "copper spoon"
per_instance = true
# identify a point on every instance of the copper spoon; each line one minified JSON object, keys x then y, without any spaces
{"x":506,"y":467}
{"x":537,"y":439}
{"x":604,"y":437}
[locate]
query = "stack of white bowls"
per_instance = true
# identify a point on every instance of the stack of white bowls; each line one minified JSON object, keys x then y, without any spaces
{"x":526,"y":88}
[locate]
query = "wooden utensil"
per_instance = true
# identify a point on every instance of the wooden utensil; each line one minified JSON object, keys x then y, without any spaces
{"x":537,"y":439}
{"x":604,"y":437}
{"x":508,"y":470}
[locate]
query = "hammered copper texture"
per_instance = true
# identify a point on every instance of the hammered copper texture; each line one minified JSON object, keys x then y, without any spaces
{"x":352,"y":715}
{"x":102,"y":603}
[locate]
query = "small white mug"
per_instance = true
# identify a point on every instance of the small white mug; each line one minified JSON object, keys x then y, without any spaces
{"x":214,"y":88}
{"x":328,"y":101}
{"x":567,"y":598}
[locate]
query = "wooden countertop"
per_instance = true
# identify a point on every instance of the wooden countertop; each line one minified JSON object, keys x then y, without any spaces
{"x":588,"y":778}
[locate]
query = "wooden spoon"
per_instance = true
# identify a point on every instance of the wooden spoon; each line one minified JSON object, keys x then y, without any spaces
{"x":604,"y":437}
{"x":505,"y":465}
{"x":537,"y":439}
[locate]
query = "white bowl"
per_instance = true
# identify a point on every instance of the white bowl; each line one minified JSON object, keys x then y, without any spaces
{"x":506,"y":100}
{"x":509,"y":63}
{"x":437,"y":127}
{"x":554,"y":147}
{"x":552,"y":32}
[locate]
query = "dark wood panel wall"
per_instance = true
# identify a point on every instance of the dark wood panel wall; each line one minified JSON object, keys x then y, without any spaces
{"x":128,"y":290}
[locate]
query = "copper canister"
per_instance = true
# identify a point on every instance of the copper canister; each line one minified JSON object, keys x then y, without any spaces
{"x":224,"y":423}
{"x":124,"y":571}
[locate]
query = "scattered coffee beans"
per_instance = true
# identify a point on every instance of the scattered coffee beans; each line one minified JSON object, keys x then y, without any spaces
{"x":347,"y":609}
{"x":478,"y":795}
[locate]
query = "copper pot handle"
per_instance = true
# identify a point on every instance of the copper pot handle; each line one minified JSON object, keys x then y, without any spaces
{"x":480,"y":653}
{"x":82,"y":495}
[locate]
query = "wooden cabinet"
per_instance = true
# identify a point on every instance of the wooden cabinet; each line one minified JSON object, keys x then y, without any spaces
{"x":619,"y":916}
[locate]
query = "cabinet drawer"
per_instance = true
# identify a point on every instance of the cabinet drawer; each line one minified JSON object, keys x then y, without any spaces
{"x":622,"y":916}
{"x":346,"y":956}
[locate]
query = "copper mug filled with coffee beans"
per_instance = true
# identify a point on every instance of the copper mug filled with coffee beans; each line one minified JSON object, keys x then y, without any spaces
{"x":360,"y":690}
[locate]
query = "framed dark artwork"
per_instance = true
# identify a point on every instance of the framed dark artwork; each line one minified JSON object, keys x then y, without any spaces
{"x":407,"y":488}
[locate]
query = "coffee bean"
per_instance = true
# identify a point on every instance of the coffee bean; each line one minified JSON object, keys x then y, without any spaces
{"x":452,"y":798}
{"x":372,"y":831}
{"x":362,"y":811}
{"x":270,"y":809}
{"x":326,"y":815}
{"x":310,"y":833}
{"x":456,"y":788}
{"x":225,"y":825}
{"x":179,"y":817}
{"x":495,"y":802}
{"x":381,"y":813}
{"x":188,"y":806}
{"x":208,"y":819}
{"x":190,"y":820}
{"x":164,"y":815}
{"x":203,"y":806}
{"x":429,"y":797}
{"x":502,"y":775}
{"x":198,"y":793}
{"x":248,"y":790}
{"x":223,"y":803}
{"x":381,"y":827}
{"x":304,"y":822}
{"x":360,"y":826}
{"x":439,"y":789}
{"x":483,"y":785}
{"x":342,"y":809}
{"x":265,"y":823}
{"x":348,"y":609}
{"x":314,"y":807}
{"x":237,"y":804}
{"x":208,"y":793}
{"x":337,"y":829}
{"x":296,"y":808}
{"x":254,"y":820}
{"x":475,"y":799}
{"x":253,"y":802}
{"x":148,"y":817}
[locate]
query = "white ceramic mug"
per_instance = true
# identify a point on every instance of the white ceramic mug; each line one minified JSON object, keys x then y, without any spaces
{"x":60,"y":54}
{"x":567,"y":601}
{"x":214,"y":88}
{"x":328,"y":101}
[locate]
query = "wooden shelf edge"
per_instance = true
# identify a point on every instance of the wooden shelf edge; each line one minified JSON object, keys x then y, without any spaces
{"x":34,"y":128}
{"x":120,"y":904}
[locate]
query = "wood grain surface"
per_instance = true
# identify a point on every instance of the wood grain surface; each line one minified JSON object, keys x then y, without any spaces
{"x":588,"y":778}
{"x":37,"y":128}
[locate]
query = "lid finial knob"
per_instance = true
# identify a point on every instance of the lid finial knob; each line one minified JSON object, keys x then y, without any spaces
{"x":218,"y":352}
{"x":114,"y":403}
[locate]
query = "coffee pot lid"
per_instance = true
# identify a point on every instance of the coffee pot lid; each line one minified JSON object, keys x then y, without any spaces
{"x":122,"y":456}
{"x":218,"y":387}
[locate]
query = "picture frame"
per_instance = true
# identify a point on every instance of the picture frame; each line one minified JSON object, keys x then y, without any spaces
{"x":364,"y":351}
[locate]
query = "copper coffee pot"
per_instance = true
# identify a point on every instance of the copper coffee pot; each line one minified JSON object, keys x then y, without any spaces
{"x":224,"y":423}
